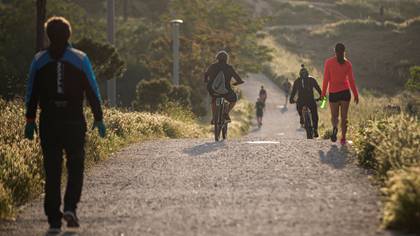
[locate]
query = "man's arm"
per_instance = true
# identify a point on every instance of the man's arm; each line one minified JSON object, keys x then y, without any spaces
{"x":235,"y":75}
{"x":327,"y":78}
{"x":92,"y":90}
{"x":316,"y":85}
{"x":294,"y":90}
{"x":32,"y":93}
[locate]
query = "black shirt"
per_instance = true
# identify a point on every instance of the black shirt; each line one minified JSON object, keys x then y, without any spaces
{"x":228,"y":71}
{"x":305,"y":90}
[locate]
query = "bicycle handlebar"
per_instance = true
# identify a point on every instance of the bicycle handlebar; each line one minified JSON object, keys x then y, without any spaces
{"x":238,"y":83}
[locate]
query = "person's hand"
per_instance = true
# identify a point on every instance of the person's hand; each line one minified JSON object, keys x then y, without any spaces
{"x":356,"y":99}
{"x":30,"y":129}
{"x":292,"y":101}
{"x":101,"y":128}
{"x":238,"y":83}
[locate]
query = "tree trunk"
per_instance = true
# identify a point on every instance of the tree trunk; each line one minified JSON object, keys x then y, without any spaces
{"x":41,"y":8}
{"x":125,"y":10}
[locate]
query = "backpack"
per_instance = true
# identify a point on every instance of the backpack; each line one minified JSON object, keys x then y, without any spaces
{"x":218,"y":84}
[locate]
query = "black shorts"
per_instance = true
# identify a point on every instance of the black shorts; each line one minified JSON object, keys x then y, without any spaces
{"x":230,"y":96}
{"x":343,"y":96}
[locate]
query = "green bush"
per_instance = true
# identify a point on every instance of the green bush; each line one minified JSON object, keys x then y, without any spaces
{"x":21,"y":173}
{"x":413,"y":84}
{"x":6,"y":203}
{"x":154,"y":95}
{"x":402,"y":207}
{"x":389,"y":144}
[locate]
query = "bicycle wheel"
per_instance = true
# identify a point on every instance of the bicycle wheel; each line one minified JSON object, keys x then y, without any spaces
{"x":308,"y":125}
{"x":218,"y":122}
{"x":224,"y":131}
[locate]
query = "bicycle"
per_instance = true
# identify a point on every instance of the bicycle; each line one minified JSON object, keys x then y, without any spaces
{"x":307,"y":121}
{"x":220,"y":124}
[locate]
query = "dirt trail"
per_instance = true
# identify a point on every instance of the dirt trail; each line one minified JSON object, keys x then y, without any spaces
{"x":290,"y":186}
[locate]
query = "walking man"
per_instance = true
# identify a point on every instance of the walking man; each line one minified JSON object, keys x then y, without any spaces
{"x":59,"y":78}
{"x":286,"y":88}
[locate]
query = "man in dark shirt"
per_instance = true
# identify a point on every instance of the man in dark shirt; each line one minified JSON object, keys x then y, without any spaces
{"x":59,"y":78}
{"x":214,"y":69}
{"x":263,"y":94}
{"x":286,"y":89}
{"x":304,"y":87}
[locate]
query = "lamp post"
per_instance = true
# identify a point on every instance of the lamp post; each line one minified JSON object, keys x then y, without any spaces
{"x":111,"y":83}
{"x":175,"y":50}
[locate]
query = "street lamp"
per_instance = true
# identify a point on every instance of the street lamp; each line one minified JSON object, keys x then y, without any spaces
{"x":175,"y":50}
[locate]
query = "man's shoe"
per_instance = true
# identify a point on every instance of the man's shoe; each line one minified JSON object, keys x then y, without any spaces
{"x":343,"y":141}
{"x":71,"y":218}
{"x":316,"y":135}
{"x":334,"y":134}
{"x":53,"y":231}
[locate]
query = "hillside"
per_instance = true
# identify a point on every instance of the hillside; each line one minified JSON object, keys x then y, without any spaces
{"x":381,"y":48}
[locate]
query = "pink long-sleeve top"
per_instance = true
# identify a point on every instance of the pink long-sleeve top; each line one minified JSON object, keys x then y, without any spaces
{"x":338,"y":77}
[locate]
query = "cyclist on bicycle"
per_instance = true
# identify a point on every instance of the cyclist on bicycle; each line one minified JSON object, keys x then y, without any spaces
{"x":263,"y":94}
{"x":218,"y":78}
{"x":304,"y":87}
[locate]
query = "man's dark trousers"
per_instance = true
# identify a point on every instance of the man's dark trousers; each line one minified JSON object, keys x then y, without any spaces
{"x":57,"y":137}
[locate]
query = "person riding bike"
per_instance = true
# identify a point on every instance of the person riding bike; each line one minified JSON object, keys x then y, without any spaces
{"x":263,"y":94}
{"x":286,"y":88}
{"x":304,"y":86}
{"x":218,"y":78}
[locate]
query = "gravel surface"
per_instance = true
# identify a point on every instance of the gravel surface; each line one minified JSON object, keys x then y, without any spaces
{"x":284,"y":186}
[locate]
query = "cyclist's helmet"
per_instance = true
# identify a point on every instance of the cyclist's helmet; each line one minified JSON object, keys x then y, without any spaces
{"x":303,"y":73}
{"x":222,"y":56}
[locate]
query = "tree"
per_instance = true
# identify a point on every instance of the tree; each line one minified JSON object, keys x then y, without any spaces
{"x":107,"y":62}
{"x":41,"y":10}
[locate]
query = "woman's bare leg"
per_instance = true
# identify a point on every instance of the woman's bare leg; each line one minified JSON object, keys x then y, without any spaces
{"x":344,"y":111}
{"x":335,"y":108}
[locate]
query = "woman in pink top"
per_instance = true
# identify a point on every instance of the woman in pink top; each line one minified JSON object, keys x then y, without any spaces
{"x":339,"y":79}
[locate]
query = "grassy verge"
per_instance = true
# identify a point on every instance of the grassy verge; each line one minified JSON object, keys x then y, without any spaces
{"x":387,"y":141}
{"x":242,"y":116}
{"x":21,"y":173}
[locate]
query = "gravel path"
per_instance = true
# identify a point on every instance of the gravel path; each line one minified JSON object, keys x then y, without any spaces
{"x":288,"y":186}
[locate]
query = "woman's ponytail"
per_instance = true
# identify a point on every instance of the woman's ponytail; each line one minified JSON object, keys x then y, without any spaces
{"x":340,"y":50}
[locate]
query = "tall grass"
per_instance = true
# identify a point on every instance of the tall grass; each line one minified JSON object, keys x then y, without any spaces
{"x":21,"y":173}
{"x":387,"y":141}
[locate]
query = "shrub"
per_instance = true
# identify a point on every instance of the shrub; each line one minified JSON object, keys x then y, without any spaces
{"x":413,"y":84}
{"x":151,"y":94}
{"x":402,"y":207}
{"x":181,"y":95}
{"x":6,"y":203}
{"x":154,"y":95}
{"x":389,"y":144}
{"x":21,"y":173}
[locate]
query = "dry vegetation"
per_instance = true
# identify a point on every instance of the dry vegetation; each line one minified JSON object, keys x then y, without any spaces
{"x":21,"y":174}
